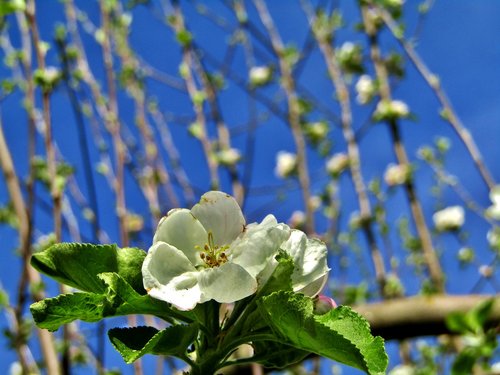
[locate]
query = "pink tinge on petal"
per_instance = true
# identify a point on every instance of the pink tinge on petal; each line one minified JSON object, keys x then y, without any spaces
{"x":323,"y":304}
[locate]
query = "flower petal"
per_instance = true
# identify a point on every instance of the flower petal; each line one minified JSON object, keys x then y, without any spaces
{"x":226,"y":284}
{"x":163,"y":263}
{"x":315,"y":287}
{"x":182,"y":230}
{"x":220,"y":214}
{"x":310,"y":262}
{"x":258,"y":245}
{"x":183,"y":291}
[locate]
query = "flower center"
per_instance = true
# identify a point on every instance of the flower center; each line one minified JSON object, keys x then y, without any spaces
{"x":213,"y":255}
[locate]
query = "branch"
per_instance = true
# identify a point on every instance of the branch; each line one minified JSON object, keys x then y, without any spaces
{"x":449,"y":113}
{"x":428,"y":251}
{"x":421,"y":315}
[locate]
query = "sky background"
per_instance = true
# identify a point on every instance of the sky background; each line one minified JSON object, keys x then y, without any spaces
{"x":458,"y":41}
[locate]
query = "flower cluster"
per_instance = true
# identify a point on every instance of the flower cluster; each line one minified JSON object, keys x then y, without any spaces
{"x":209,"y":253}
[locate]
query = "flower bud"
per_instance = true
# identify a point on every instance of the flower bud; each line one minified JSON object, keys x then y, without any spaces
{"x":229,"y":157}
{"x":449,"y":219}
{"x":260,"y":75}
{"x":365,"y":88}
{"x":494,"y":210}
{"x":323,"y":304}
{"x":391,"y":110}
{"x":297,"y":220}
{"x":337,"y":164}
{"x":396,"y":174}
{"x":286,"y":164}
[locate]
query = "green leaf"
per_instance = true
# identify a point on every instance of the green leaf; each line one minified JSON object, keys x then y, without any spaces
{"x":341,"y":334}
{"x":280,"y":279}
{"x":124,"y":300}
{"x":472,"y":321}
{"x":277,"y":355}
{"x":118,"y":299}
{"x":8,"y":7}
{"x":133,"y":343}
{"x":464,"y":363}
{"x":78,"y":265}
{"x":51,"y":313}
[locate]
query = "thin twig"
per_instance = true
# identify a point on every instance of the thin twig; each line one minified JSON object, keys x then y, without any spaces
{"x":288,"y":85}
{"x":343,"y":97}
{"x":429,"y":253}
{"x":447,"y":109}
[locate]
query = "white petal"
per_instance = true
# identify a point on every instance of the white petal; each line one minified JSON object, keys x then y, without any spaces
{"x":163,"y":263}
{"x":226,"y":284}
{"x":315,"y":287}
{"x":183,"y":291}
{"x":258,"y":245}
{"x":495,"y":195}
{"x":220,"y":214}
{"x":182,"y":230}
{"x":309,"y":258}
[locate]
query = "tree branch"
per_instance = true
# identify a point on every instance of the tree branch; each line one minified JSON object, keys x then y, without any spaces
{"x":421,"y":315}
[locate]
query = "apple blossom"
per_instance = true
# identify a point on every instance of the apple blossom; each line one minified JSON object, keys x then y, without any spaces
{"x":396,"y":174}
{"x":260,"y":75}
{"x":337,"y":164}
{"x":229,"y":156}
{"x":365,"y":88}
{"x":209,"y":253}
{"x":286,"y":164}
{"x":390,"y":110}
{"x":494,"y":210}
{"x":450,"y":218}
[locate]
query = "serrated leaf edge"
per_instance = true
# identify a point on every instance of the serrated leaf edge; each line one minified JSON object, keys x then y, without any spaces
{"x":352,"y":313}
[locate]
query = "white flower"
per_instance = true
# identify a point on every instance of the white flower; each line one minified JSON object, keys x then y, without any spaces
{"x":316,"y":131}
{"x":493,"y":237}
{"x":485,"y":271}
{"x":495,"y":195}
{"x":208,"y":253}
{"x":365,"y":87}
{"x":310,"y":263}
{"x":297,"y":219}
{"x":396,"y":174}
{"x":495,"y":368}
{"x":203,"y":253}
{"x":402,"y":370}
{"x":400,"y":108}
{"x":229,"y":156}
{"x":15,"y":368}
{"x":337,"y":164}
{"x":494,"y":210}
{"x":347,"y":48}
{"x":387,"y":110}
{"x":450,"y":218}
{"x":260,"y":75}
{"x":315,"y":202}
{"x":286,"y":164}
